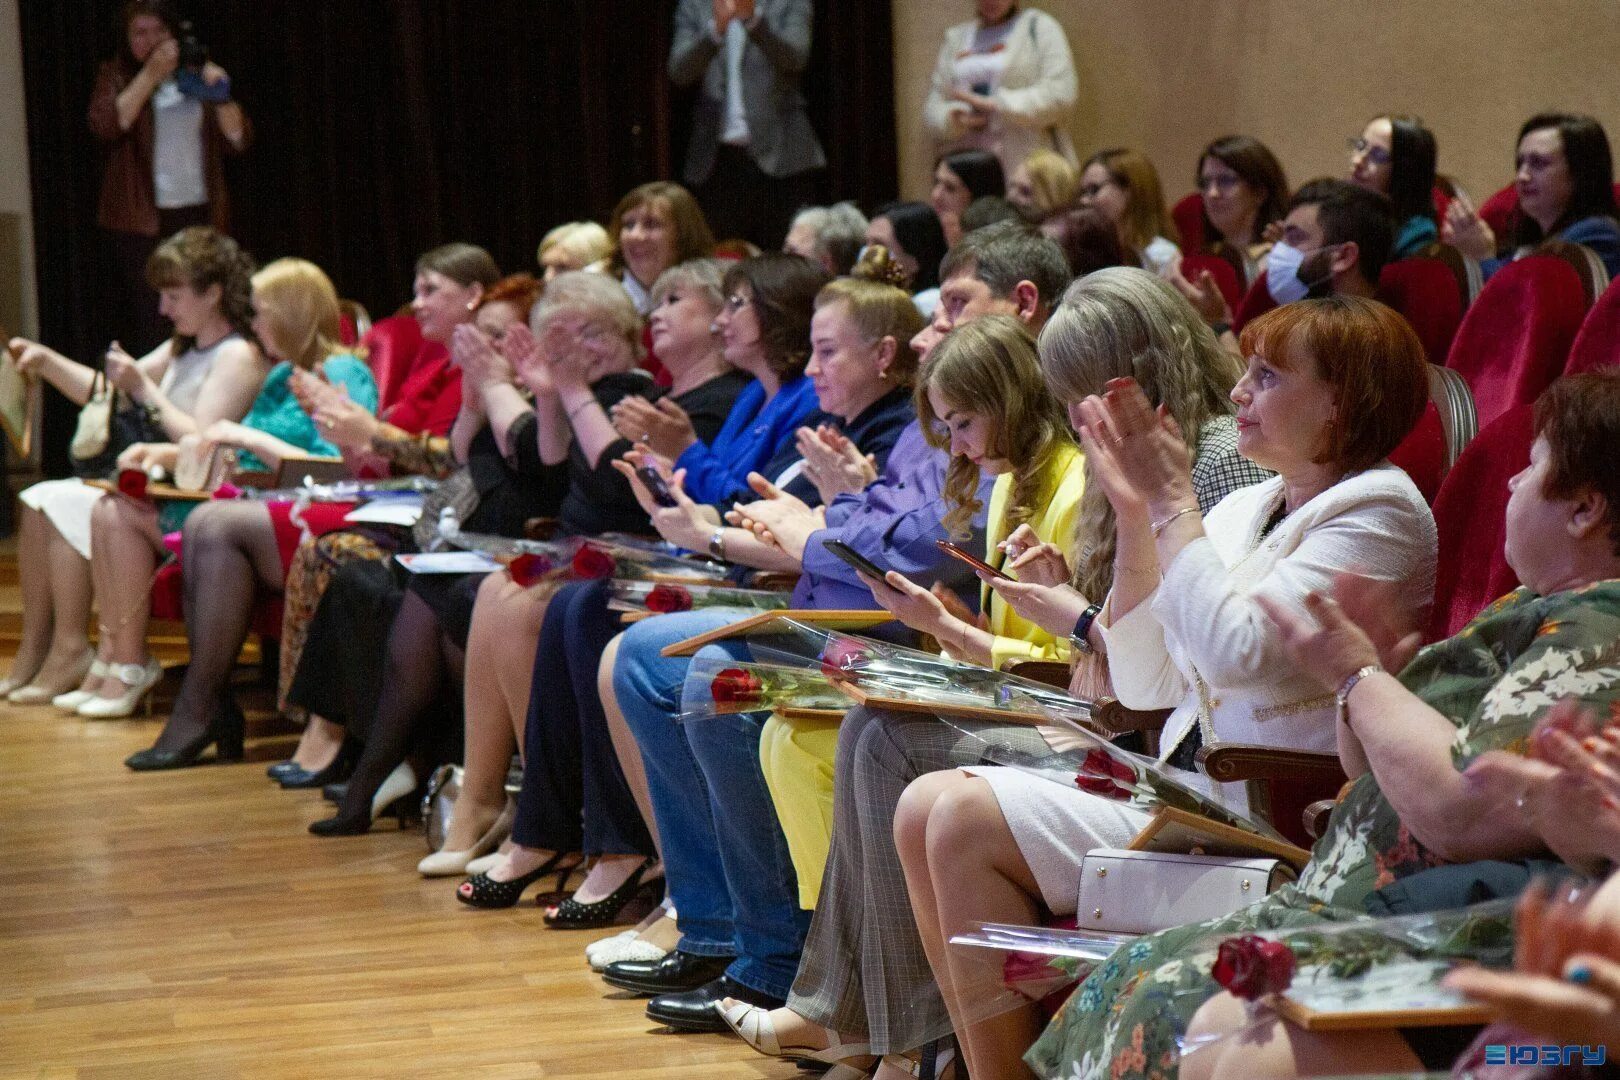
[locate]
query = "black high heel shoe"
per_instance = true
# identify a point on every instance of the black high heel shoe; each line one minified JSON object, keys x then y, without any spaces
{"x":398,"y":795}
{"x":225,"y":734}
{"x":570,"y":914}
{"x":341,"y":766}
{"x":486,"y":892}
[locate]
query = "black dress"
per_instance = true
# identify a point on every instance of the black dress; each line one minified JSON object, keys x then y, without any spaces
{"x":340,"y":674}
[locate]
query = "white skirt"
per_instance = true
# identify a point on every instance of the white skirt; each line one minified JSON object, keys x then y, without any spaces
{"x":1055,"y":824}
{"x":67,"y":505}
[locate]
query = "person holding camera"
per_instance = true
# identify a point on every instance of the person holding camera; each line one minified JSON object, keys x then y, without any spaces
{"x":164,"y":112}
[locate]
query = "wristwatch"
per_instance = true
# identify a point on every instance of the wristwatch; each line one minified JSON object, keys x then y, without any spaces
{"x":717,"y":544}
{"x":1349,"y":684}
{"x":1079,"y":638}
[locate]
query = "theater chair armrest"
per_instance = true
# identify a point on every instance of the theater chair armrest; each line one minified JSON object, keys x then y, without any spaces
{"x":1048,"y":672}
{"x":1239,"y":762}
{"x":1112,"y":718}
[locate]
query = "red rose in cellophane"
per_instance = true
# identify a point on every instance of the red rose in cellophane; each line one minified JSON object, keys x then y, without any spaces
{"x":593,"y":562}
{"x":132,"y":482}
{"x":734,"y":686}
{"x":528,"y":568}
{"x":840,"y":657}
{"x":1099,"y":773}
{"x":664,"y":599}
{"x":1251,"y":967}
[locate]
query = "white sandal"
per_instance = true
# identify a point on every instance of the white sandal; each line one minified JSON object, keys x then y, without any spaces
{"x":753,"y":1025}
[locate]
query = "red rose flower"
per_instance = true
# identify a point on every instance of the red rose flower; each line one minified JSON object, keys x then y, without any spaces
{"x":527,"y":569}
{"x":227,"y":490}
{"x":841,"y":657}
{"x":1251,"y":967}
{"x":734,"y":686}
{"x":1101,"y":785}
{"x":666,"y":598}
{"x":1100,"y":763}
{"x":591,"y":562}
{"x":132,"y":482}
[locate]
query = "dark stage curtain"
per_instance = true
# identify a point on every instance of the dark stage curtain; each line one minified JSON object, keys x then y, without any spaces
{"x":385,"y":127}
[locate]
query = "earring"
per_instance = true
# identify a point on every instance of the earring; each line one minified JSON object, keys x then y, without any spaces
{"x":472,"y":305}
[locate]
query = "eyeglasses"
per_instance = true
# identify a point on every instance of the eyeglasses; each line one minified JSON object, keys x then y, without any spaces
{"x":737,"y":301}
{"x":1223,"y":183}
{"x":1535,"y":162}
{"x":1375,"y":154}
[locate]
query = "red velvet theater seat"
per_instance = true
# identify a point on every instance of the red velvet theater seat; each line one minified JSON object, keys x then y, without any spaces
{"x":1515,"y":339}
{"x":1433,"y":291}
{"x":1470,"y":515}
{"x":1597,"y":345}
{"x":392,"y":348}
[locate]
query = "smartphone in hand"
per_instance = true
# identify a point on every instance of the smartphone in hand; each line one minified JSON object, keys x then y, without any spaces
{"x":854,"y":558}
{"x":656,"y":485}
{"x":972,"y":560}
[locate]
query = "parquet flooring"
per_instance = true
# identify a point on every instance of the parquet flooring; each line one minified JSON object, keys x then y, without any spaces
{"x":186,"y":925}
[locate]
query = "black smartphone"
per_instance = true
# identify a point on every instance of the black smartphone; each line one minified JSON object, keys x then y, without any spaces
{"x":656,"y":485}
{"x":972,"y":560}
{"x":854,"y":558}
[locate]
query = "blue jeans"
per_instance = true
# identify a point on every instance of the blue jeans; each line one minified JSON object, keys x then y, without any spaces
{"x":725,"y":858}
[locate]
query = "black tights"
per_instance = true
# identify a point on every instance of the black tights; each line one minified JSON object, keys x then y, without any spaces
{"x":228,"y":554}
{"x":420,"y":661}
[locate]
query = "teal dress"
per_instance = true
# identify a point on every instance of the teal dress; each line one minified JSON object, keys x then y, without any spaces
{"x":276,"y":412}
{"x":1494,"y":680}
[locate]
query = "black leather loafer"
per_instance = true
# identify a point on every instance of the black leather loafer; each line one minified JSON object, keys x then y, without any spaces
{"x":675,"y":973}
{"x":695,"y":1010}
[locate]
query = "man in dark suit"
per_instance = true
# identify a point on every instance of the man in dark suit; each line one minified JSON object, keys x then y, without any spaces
{"x":753,"y":155}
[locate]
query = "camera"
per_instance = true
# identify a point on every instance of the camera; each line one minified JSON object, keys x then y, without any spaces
{"x":193,"y":53}
{"x":193,"y":59}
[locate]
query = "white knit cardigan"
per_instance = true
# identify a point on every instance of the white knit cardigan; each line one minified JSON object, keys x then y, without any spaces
{"x":1200,"y":644}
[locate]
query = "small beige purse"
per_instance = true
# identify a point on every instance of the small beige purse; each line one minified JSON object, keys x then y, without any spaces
{"x":1139,"y":892}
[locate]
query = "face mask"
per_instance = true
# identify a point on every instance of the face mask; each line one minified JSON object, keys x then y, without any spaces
{"x":1282,"y":273}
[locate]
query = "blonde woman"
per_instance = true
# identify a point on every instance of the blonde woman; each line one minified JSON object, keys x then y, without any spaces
{"x":573,"y":245}
{"x":295,"y":314}
{"x":1043,"y":184}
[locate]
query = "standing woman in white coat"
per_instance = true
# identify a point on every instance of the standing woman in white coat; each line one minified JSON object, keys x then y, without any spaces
{"x":1004,"y":82}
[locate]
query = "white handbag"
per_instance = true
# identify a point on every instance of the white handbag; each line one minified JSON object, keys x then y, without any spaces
{"x":1139,"y":892}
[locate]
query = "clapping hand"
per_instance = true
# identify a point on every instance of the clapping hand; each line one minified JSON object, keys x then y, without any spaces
{"x":776,"y":517}
{"x":833,"y":463}
{"x":664,"y":426}
{"x":1137,"y":454}
{"x":1565,"y":982}
{"x":311,"y":390}
{"x":1466,"y":231}
{"x":525,"y":359}
{"x":1203,"y":294}
{"x":481,"y":365}
{"x":345,"y":423}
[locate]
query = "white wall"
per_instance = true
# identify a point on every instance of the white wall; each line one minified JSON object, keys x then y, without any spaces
{"x":14,"y":194}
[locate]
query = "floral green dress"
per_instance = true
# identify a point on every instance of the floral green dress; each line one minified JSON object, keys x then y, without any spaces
{"x":1494,"y":680}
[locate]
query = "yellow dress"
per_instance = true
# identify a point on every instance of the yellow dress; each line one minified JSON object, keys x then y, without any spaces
{"x":797,"y":755}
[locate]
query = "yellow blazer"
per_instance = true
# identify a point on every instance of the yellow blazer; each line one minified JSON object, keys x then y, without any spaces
{"x":1054,"y":524}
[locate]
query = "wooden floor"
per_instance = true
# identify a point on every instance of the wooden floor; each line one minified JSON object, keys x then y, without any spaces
{"x":186,"y":925}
